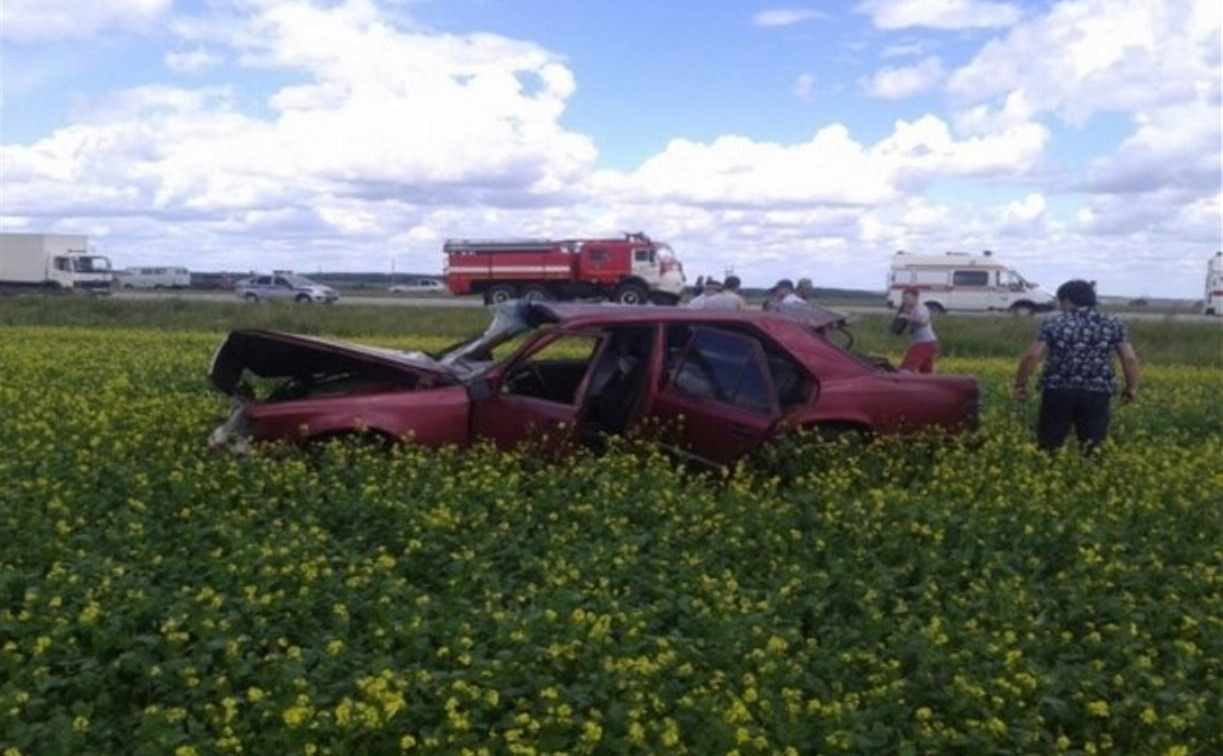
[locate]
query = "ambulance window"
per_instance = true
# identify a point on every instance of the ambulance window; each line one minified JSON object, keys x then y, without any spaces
{"x":970,"y":278}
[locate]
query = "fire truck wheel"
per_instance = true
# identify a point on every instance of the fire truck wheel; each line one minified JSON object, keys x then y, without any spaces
{"x":500,"y":293}
{"x":632,"y":294}
{"x":536,"y":293}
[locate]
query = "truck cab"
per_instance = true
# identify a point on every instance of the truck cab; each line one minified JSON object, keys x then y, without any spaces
{"x":55,"y":262}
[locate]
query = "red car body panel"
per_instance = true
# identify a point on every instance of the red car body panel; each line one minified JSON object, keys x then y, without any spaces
{"x":435,"y":417}
{"x":714,"y":385}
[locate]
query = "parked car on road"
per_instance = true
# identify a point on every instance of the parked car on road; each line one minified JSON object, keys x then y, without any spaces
{"x":287,"y":287}
{"x":715,"y":385}
{"x":418,"y":286}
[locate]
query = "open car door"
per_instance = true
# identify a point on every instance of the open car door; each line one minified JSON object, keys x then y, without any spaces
{"x":539,"y":394}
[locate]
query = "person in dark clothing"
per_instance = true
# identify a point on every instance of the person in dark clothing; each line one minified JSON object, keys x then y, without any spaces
{"x":1077,"y":383}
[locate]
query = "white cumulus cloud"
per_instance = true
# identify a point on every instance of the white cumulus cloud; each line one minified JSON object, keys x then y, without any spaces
{"x":940,"y":14}
{"x":51,"y":19}
{"x":898,"y":83}
{"x":786,"y":16}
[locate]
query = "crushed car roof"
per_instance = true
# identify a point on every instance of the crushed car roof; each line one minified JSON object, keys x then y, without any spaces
{"x":813,"y":316}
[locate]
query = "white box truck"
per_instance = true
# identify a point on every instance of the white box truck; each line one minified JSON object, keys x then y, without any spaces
{"x":962,"y":281}
{"x":1213,"y":302}
{"x":57,"y":262}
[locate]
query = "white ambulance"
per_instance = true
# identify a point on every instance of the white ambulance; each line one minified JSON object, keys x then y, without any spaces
{"x":1214,"y":286}
{"x":962,"y":281}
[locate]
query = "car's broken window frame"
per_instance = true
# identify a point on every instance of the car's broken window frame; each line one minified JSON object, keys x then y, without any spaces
{"x":758,"y":357}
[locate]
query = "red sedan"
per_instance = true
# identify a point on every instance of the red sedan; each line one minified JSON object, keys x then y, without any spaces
{"x":714,"y":385}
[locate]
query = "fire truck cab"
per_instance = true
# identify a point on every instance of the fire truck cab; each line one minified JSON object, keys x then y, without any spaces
{"x":630,"y":270}
{"x":961,"y":281}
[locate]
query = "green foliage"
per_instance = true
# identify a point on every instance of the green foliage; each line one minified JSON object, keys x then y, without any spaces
{"x":187,"y":314}
{"x":1161,"y":341}
{"x":919,"y":596}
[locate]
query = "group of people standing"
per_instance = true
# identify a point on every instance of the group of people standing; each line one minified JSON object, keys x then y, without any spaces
{"x":1077,"y":347}
{"x":724,"y":295}
{"x":718,"y":295}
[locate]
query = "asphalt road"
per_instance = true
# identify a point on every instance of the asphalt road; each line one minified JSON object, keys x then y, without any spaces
{"x":447,"y":301}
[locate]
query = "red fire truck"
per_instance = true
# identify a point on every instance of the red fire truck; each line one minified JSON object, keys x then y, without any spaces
{"x":630,"y":270}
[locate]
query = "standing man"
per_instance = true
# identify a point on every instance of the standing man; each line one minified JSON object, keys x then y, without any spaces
{"x":923,"y":344}
{"x":782,"y":295}
{"x":709,"y":287}
{"x":728,"y":298}
{"x":1077,"y":383}
{"x":805,"y":290}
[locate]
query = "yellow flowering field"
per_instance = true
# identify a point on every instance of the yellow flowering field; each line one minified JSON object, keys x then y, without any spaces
{"x":915,"y":597}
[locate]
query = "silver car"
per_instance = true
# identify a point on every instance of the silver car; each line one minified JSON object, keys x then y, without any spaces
{"x":287,"y":287}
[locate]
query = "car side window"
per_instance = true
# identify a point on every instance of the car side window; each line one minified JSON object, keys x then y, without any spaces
{"x":970,"y":278}
{"x":725,"y":367}
{"x":553,"y":372}
{"x":283,"y":282}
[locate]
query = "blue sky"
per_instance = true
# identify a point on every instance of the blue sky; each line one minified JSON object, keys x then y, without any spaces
{"x":1076,"y":139}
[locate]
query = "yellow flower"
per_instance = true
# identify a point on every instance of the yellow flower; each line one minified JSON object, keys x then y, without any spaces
{"x":80,"y":724}
{"x":1098,"y":709}
{"x":636,"y":733}
{"x":295,"y":716}
{"x":407,"y":743}
{"x":592,"y":732}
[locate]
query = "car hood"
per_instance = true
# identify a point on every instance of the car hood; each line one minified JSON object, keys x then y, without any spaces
{"x":275,"y":354}
{"x":272,"y":354}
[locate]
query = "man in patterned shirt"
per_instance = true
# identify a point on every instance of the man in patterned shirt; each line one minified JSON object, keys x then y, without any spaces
{"x":1077,"y":382}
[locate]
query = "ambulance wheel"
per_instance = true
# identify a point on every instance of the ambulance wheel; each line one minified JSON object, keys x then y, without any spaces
{"x":632,"y":294}
{"x":935,"y":308}
{"x":1023,"y":309}
{"x":500,"y":293}
{"x":536,"y":293}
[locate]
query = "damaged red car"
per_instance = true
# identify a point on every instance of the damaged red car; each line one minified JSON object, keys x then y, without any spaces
{"x":712,"y":386}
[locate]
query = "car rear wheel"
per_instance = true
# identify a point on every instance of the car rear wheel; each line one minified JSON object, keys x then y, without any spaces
{"x":302,"y":299}
{"x":500,"y":293}
{"x":250,"y":297}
